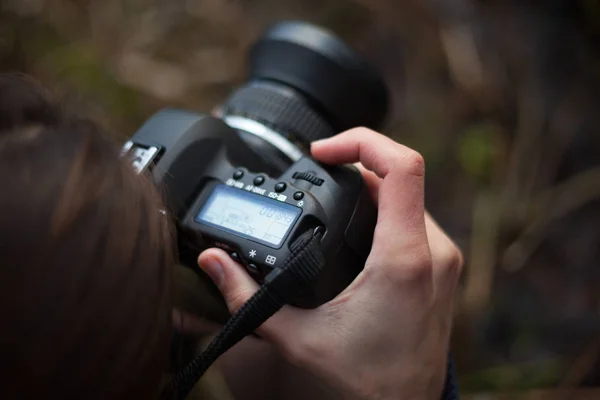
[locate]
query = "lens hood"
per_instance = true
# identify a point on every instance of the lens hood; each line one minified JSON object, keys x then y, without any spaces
{"x":330,"y":74}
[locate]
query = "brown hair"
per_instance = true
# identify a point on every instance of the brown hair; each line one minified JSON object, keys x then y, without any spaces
{"x":85,"y":259}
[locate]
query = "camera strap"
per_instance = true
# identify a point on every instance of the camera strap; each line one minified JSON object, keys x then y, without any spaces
{"x":299,"y":271}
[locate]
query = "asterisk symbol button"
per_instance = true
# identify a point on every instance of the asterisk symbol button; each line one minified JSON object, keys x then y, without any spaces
{"x":252,"y":253}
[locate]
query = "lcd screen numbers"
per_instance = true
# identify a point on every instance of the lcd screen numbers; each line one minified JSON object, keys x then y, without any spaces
{"x":248,"y":215}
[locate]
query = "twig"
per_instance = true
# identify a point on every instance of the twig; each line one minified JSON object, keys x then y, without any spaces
{"x":482,"y":255}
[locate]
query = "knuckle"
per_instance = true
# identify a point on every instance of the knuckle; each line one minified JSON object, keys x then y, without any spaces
{"x":362,"y":135}
{"x":413,"y":163}
{"x":361,"y":131}
{"x":450,"y":259}
{"x":454,"y":259}
{"x":417,"y":268}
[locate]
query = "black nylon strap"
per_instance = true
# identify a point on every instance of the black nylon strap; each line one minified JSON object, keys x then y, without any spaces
{"x":451,"y":385}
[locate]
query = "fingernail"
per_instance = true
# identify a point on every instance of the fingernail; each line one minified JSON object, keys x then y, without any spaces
{"x":214,"y":269}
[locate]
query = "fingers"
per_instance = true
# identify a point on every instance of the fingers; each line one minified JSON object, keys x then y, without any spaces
{"x":447,"y":259}
{"x":400,"y":194}
{"x":375,"y":151}
{"x":372,"y":181}
{"x":237,"y":287}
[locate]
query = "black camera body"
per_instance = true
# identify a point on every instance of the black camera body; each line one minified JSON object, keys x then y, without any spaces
{"x":244,"y":181}
{"x":215,"y":183}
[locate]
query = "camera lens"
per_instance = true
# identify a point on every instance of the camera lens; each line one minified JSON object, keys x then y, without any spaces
{"x":306,"y":84}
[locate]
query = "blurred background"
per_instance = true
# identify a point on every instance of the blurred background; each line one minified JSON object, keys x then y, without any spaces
{"x":502,"y":97}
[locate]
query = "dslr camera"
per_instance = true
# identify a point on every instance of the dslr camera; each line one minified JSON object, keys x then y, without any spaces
{"x":241,"y":178}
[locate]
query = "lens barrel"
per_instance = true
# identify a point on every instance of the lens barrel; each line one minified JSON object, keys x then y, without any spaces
{"x":307,"y":83}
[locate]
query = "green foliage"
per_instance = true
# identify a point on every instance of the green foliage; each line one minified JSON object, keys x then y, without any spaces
{"x":513,"y":377}
{"x":84,"y":70}
{"x":476,"y":149}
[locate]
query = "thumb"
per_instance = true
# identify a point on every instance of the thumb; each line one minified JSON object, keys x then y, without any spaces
{"x":237,"y":287}
{"x":233,"y":282}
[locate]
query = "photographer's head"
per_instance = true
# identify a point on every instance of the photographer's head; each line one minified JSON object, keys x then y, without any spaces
{"x":85,"y":254}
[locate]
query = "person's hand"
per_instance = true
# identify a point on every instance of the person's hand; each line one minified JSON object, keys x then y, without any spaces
{"x":387,"y":335}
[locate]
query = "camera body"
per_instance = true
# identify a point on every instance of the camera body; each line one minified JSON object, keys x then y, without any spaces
{"x":219,"y":193}
{"x":244,"y":181}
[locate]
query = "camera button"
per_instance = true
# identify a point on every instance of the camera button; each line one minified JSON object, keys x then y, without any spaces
{"x":238,"y":174}
{"x":259,"y":180}
{"x":235,"y":256}
{"x":280,"y":187}
{"x":298,"y":195}
{"x":253,"y":268}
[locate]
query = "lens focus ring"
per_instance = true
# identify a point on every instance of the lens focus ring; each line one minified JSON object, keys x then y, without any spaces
{"x":280,"y":109}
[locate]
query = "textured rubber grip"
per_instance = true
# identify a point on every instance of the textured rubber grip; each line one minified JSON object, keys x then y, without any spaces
{"x":283,"y":111}
{"x":309,"y":177}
